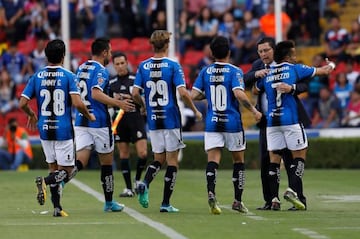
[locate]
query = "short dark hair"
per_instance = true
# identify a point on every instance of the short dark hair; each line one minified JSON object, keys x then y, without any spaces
{"x":282,"y":50}
{"x":55,"y":51}
{"x":11,"y":121}
{"x":99,"y":45}
{"x":220,"y":47}
{"x":269,"y":40}
{"x":119,"y":54}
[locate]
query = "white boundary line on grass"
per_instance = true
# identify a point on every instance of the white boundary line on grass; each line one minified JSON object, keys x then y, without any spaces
{"x":249,"y":214}
{"x":309,"y":233}
{"x":167,"y":231}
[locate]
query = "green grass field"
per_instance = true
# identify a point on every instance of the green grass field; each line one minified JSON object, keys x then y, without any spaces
{"x":333,"y":209}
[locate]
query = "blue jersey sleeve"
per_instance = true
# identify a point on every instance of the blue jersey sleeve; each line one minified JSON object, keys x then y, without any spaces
{"x":199,"y":82}
{"x":179,"y":77}
{"x":29,"y":90}
{"x":304,"y":71}
{"x":238,"y":80}
{"x":138,"y":78}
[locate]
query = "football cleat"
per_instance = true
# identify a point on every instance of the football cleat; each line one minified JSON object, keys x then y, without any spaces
{"x":127,"y":193}
{"x":113,"y":206}
{"x":275,"y":204}
{"x":59,"y":213}
{"x":41,"y":190}
{"x":213,"y":204}
{"x":143,"y":195}
{"x":239,"y":206}
{"x":168,"y":208}
{"x":292,"y":197}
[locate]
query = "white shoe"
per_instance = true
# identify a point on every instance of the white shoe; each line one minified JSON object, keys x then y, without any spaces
{"x":127,"y":193}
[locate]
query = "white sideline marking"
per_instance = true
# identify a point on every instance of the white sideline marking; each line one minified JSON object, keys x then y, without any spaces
{"x":61,"y":223}
{"x":343,"y":228}
{"x":340,"y":198}
{"x":309,"y":233}
{"x":167,"y":231}
{"x":249,"y":214}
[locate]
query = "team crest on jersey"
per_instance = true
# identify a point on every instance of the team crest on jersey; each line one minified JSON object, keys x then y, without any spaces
{"x":240,"y":78}
{"x":100,"y":79}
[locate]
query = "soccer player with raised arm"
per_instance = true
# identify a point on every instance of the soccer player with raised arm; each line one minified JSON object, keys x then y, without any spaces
{"x":56,"y":92}
{"x":223,"y":86}
{"x":284,"y":129}
{"x":160,"y":78}
{"x":93,"y":80}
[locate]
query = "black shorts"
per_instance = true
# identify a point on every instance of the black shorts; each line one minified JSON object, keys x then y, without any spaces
{"x":130,"y":129}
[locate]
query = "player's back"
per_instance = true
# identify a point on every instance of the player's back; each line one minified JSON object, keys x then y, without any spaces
{"x":91,"y":74}
{"x":160,"y":77}
{"x":52,"y":86}
{"x":218,"y":81}
{"x":283,"y":108}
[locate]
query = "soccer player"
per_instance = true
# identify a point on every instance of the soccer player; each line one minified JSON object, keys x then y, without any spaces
{"x":160,"y":77}
{"x":93,"y":80}
{"x":131,"y":128}
{"x":223,"y":86}
{"x":55,"y":91}
{"x":258,"y":70}
{"x":283,"y":127}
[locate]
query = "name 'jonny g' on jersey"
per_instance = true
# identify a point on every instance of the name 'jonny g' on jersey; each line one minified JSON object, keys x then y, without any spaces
{"x":52,"y":87}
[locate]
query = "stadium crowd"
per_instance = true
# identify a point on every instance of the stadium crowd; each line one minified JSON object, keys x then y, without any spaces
{"x":331,"y":101}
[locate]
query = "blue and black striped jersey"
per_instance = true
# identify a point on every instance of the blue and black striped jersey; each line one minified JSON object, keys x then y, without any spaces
{"x":282,"y":107}
{"x":160,"y":78}
{"x":91,"y":74}
{"x":52,"y":86}
{"x":217,"y":81}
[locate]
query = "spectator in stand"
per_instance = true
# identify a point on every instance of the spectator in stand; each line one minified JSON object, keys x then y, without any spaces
{"x":18,"y":147}
{"x":351,"y":74}
{"x":328,"y":112}
{"x":314,"y":85}
{"x":267,"y":22}
{"x":153,"y":8}
{"x":15,"y":63}
{"x":37,"y":58}
{"x":52,"y":12}
{"x":8,"y":99}
{"x":342,"y":90}
{"x":354,"y":45}
{"x":128,"y":20}
{"x":220,"y":7}
{"x":251,"y":40}
{"x":73,"y":18}
{"x":94,"y":15}
{"x":336,"y":40}
{"x":352,"y":114}
{"x":38,"y":23}
{"x":193,"y":7}
{"x":160,"y":21}
{"x":206,"y":28}
{"x":15,"y":22}
{"x":249,"y":19}
{"x":255,"y":6}
{"x":304,"y":15}
{"x":238,"y":37}
{"x":226,"y":26}
{"x":186,"y":31}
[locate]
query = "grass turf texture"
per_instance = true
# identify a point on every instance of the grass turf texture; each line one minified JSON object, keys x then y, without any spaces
{"x":329,"y":215}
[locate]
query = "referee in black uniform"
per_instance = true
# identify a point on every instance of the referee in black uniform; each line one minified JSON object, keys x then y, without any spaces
{"x":258,"y":70}
{"x":131,"y":128}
